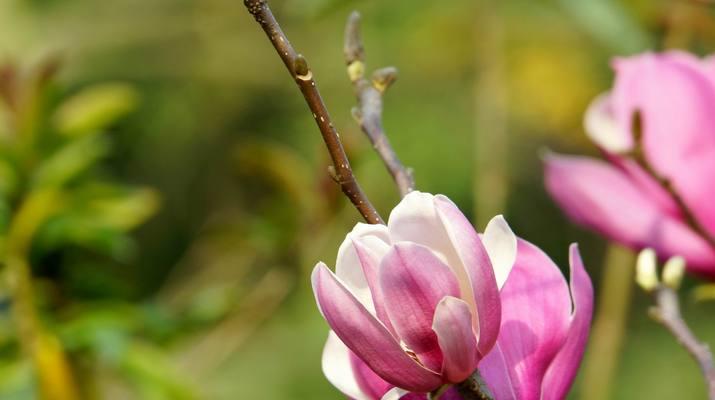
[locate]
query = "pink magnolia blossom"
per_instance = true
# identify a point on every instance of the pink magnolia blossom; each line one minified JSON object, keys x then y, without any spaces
{"x":417,"y":304}
{"x":674,"y":94}
{"x":544,"y":328}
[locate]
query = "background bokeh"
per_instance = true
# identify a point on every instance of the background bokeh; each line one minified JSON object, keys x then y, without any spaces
{"x":180,"y":197}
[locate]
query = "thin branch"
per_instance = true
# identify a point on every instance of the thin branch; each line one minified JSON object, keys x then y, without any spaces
{"x":667,"y":312}
{"x":298,"y":68}
{"x":639,"y":157}
{"x":369,"y":110}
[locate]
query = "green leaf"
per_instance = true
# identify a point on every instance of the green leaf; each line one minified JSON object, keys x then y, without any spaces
{"x":95,"y":108}
{"x":69,"y":161}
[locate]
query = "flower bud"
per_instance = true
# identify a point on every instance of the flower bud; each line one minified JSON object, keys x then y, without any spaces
{"x":646,"y":274}
{"x":673,"y":272}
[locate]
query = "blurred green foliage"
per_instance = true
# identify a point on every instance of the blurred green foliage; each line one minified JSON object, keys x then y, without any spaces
{"x":190,"y":195}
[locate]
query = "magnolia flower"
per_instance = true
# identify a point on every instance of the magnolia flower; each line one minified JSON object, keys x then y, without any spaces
{"x":416,"y":304}
{"x":417,"y":300}
{"x":671,"y":96}
{"x":544,"y":328}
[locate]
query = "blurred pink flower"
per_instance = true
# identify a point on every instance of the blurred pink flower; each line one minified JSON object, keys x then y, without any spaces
{"x":416,"y":304}
{"x":417,"y":300}
{"x":544,"y":328}
{"x":674,"y":95}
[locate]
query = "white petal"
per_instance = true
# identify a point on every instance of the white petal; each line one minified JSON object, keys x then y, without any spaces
{"x":415,"y":219}
{"x":500,"y":243}
{"x":603,"y":129}
{"x":347,"y":266}
{"x":338,"y":369}
{"x":394,"y":394}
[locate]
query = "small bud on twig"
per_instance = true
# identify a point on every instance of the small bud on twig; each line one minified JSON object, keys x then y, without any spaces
{"x":301,"y":69}
{"x":673,"y":272}
{"x":646,"y":274}
{"x":383,"y":78}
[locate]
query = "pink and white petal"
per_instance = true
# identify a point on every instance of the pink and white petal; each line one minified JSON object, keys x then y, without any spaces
{"x":678,"y":136}
{"x":414,"y":280}
{"x":337,"y":367}
{"x":397,"y":393}
{"x":348,"y":266}
{"x":536,"y":308}
{"x":453,"y":326}
{"x":562,"y":370}
{"x":415,"y":219}
{"x":500,"y":243}
{"x":602,"y":197}
{"x":366,"y":336}
{"x":603,"y":129}
{"x":482,"y":293}
{"x":374,"y":386}
{"x":370,"y":263}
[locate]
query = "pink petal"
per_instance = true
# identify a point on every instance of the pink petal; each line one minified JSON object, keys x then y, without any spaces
{"x":483,"y":294}
{"x":337,"y":367}
{"x":415,"y":219}
{"x":414,"y":280}
{"x":374,"y":386}
{"x":676,"y":99}
{"x":362,"y":333}
{"x":369,"y":263}
{"x":597,"y":195}
{"x":395,"y":394}
{"x":563,"y":369}
{"x":453,"y":326}
{"x":349,"y":267}
{"x":536,"y":308}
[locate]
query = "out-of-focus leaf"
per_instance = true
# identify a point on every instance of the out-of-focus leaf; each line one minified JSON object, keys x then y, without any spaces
{"x":99,"y":218}
{"x":69,"y":161}
{"x":126,"y":210}
{"x":81,"y":230}
{"x":608,"y":22}
{"x":36,"y":209}
{"x":8,"y":178}
{"x":152,"y":372}
{"x":704,"y":292}
{"x":104,"y":329}
{"x":16,"y":379}
{"x":94,"y":108}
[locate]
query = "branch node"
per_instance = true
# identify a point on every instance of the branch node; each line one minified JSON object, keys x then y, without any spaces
{"x":333,"y":174}
{"x":356,"y":71}
{"x":301,"y":69}
{"x":356,"y":114}
{"x":383,"y":78}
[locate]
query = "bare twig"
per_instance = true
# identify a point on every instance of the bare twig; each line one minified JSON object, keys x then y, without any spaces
{"x":298,"y":67}
{"x":667,"y":312}
{"x":639,"y":157}
{"x":369,"y":110}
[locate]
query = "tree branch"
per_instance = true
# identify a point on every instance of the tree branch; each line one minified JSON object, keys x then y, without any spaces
{"x":369,"y":94}
{"x":639,"y":157}
{"x":298,"y":68}
{"x":667,"y":312}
